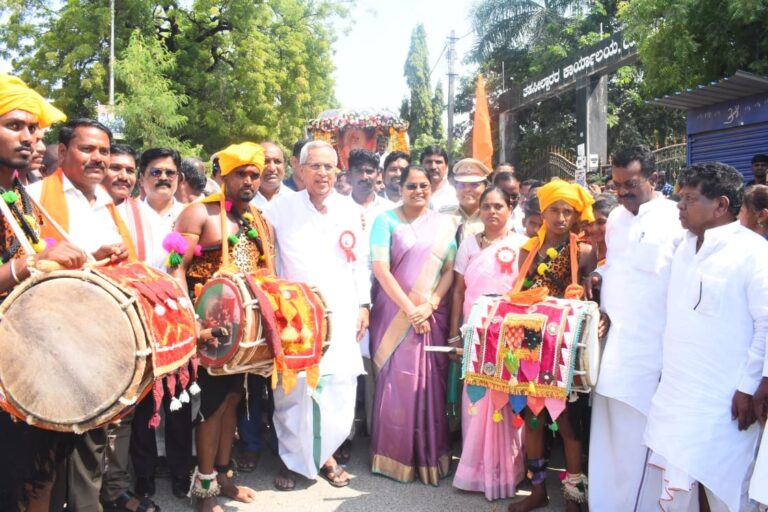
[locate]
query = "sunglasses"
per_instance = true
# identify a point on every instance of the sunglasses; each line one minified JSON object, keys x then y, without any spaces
{"x":417,"y":186}
{"x":156,"y":172}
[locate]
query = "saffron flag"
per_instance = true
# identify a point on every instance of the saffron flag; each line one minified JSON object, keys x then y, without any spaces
{"x":482,"y":144}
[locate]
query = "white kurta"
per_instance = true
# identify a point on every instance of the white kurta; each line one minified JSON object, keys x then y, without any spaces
{"x":310,"y":427}
{"x":758,"y":489}
{"x":262,"y":203}
{"x":714,"y":345}
{"x":444,"y":196}
{"x":634,"y":293}
{"x":160,"y":226}
{"x":90,"y":225}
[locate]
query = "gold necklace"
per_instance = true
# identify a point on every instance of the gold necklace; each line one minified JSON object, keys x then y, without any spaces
{"x":484,"y":242}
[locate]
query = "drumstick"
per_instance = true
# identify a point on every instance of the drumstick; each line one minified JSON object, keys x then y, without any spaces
{"x":445,"y":349}
{"x":207,"y":335}
{"x":50,"y":265}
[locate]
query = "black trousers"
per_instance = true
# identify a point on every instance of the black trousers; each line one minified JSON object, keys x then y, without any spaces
{"x":178,"y":439}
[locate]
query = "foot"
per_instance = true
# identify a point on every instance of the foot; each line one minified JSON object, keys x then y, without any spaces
{"x":129,"y":502}
{"x":208,"y":505}
{"x":335,"y":474}
{"x":247,"y":461}
{"x":180,"y":486}
{"x":235,"y":492}
{"x":537,"y":499}
{"x":285,"y":480}
{"x":344,"y":452}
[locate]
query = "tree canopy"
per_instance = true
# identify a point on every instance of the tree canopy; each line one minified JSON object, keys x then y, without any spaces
{"x":229,"y":70}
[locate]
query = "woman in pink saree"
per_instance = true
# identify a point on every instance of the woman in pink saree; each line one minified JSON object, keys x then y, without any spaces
{"x":412,"y":252}
{"x":491,"y":458}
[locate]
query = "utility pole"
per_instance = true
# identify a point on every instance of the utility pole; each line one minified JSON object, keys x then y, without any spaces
{"x":112,"y":53}
{"x":451,"y":77}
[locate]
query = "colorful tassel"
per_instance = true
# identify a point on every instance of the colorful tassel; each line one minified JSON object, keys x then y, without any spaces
{"x":232,"y":239}
{"x":497,"y":417}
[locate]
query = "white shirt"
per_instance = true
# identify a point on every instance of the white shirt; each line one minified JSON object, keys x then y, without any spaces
{"x":90,"y":225}
{"x":444,"y":196}
{"x":372,"y":210}
{"x":515,"y":221}
{"x":160,"y":226}
{"x":262,"y":203}
{"x":634,"y":291}
{"x":308,"y":243}
{"x":714,"y":344}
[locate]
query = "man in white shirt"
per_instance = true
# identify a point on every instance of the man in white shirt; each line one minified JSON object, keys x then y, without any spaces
{"x":320,"y":242}
{"x":73,"y":196}
{"x":642,"y":235}
{"x":701,"y":425}
{"x":435,"y":160}
{"x":272,"y":185}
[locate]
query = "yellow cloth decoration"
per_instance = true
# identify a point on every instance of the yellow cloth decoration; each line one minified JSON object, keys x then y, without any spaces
{"x":16,"y":95}
{"x":560,"y":190}
{"x":238,"y":155}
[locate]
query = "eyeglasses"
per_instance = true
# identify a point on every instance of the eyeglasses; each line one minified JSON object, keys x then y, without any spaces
{"x":156,"y":172}
{"x":321,"y":167}
{"x":417,"y":186}
{"x":474,"y":185}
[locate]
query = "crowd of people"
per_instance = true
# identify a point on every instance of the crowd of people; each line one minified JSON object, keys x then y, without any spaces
{"x":400,"y":252}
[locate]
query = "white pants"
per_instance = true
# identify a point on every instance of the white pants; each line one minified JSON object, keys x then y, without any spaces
{"x":311,"y":425}
{"x":619,"y":477}
{"x":758,"y":489}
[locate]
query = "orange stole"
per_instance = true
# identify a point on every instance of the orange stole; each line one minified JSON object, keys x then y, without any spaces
{"x":54,"y":204}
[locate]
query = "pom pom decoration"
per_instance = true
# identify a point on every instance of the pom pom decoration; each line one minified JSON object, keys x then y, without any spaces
{"x":248,"y":217}
{"x":228,"y":205}
{"x":175,"y":242}
{"x":40,"y":246}
{"x":198,"y":250}
{"x":517,"y":421}
{"x":497,"y":417}
{"x":184,"y":397}
{"x":10,"y":197}
{"x":174,"y":260}
{"x":542,"y":268}
{"x":232,"y":239}
{"x":252,"y":233}
{"x":50,"y":242}
{"x":552,"y":253}
{"x":194,"y":389}
{"x":175,"y":404}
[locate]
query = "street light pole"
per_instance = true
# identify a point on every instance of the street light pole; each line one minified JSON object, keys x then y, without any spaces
{"x":112,"y":53}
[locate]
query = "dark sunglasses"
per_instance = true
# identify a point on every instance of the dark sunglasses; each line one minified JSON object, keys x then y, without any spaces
{"x":419,"y":186}
{"x":156,"y":172}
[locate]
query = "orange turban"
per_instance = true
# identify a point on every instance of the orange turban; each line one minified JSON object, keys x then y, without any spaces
{"x":16,"y":95}
{"x":238,"y":155}
{"x":560,"y":190}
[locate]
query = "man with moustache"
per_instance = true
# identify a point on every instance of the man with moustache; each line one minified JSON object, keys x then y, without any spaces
{"x":29,"y":454}
{"x":272,"y":186}
{"x":80,"y":207}
{"x":701,"y":424}
{"x":435,"y":161}
{"x":321,"y":243}
{"x":641,"y":236}
{"x":394,"y":164}
{"x":201,"y":223}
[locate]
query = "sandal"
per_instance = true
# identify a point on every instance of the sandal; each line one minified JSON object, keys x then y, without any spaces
{"x":247,"y":461}
{"x":334,"y":475}
{"x":121,"y":504}
{"x":287,"y":475}
{"x":344,"y":453}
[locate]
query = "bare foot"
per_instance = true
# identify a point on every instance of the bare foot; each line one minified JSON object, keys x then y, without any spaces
{"x":208,"y":505}
{"x":285,"y":480}
{"x":537,"y":499}
{"x":235,"y":492}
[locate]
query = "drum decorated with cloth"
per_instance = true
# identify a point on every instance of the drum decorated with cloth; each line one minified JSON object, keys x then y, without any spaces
{"x":269,"y":322}
{"x":539,"y":352}
{"x":79,"y":347}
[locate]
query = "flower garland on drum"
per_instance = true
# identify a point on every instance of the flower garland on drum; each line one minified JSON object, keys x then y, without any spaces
{"x":26,"y":219}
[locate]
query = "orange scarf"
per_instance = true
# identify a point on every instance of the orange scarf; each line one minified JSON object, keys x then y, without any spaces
{"x":54,"y":205}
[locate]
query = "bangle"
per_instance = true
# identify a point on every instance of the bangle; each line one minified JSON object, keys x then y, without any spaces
{"x":454,"y":339}
{"x":13,"y":272}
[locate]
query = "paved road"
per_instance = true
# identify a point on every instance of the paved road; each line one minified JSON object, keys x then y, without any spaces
{"x":365,"y":493}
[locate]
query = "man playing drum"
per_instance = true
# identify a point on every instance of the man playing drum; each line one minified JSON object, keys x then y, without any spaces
{"x":28,"y":453}
{"x":250,"y":248}
{"x":641,"y":238}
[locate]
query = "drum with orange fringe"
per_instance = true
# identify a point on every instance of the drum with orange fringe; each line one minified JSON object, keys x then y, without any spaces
{"x":273,"y":326}
{"x":78,"y":348}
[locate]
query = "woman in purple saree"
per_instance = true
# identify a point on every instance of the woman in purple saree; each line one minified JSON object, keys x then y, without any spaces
{"x":412,"y":250}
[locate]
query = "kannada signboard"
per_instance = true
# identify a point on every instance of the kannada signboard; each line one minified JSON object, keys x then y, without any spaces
{"x":598,"y":59}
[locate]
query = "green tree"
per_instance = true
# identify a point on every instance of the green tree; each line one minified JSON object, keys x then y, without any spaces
{"x":683,"y":43}
{"x":438,"y":105}
{"x":420,"y":112}
{"x":250,"y":69}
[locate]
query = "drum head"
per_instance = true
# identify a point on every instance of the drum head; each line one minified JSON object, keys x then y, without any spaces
{"x":67,"y":351}
{"x":220,"y":305}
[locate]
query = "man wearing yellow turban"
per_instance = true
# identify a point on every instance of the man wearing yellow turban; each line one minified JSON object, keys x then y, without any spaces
{"x":222,"y":231}
{"x":556,"y":260}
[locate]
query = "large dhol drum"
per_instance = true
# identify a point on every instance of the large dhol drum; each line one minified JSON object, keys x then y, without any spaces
{"x":78,"y":347}
{"x":547,"y":349}
{"x":264,"y":317}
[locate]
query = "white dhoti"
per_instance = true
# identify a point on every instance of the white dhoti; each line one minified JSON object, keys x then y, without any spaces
{"x":311,"y":425}
{"x":619,"y":476}
{"x":758,"y":488}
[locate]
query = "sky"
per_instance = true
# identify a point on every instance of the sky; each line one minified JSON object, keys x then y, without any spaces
{"x":370,"y":56}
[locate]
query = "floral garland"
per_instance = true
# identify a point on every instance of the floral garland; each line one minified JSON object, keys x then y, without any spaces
{"x":360,"y":119}
{"x":26,"y":220}
{"x":544,"y":267}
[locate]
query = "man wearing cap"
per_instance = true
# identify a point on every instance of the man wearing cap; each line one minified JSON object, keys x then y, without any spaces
{"x":470,"y":177}
{"x":320,"y":242}
{"x":246,"y":251}
{"x":28,"y":453}
{"x":760,"y":168}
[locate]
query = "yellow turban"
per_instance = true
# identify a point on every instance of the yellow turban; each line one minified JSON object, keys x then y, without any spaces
{"x":560,"y":190}
{"x":238,"y":155}
{"x":573,"y":194}
{"x":16,"y":95}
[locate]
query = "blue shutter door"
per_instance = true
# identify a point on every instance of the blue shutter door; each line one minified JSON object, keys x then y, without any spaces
{"x":733,"y":146}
